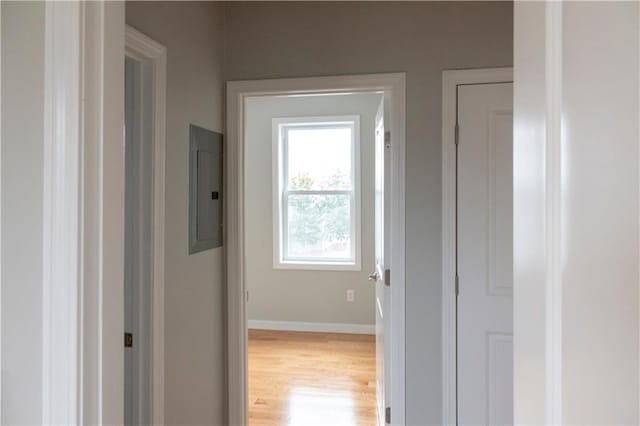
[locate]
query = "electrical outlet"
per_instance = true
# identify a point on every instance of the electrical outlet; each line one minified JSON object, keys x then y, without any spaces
{"x":351,"y":295}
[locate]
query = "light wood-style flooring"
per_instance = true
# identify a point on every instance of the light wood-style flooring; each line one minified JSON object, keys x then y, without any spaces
{"x":311,"y":379}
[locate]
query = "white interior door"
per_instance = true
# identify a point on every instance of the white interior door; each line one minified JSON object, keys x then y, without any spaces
{"x":381,"y":255}
{"x":485,"y":254}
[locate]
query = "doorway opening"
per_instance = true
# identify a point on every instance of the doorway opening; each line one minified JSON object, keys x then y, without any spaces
{"x":310,"y":166}
{"x":145,"y":89}
{"x":321,"y":165}
{"x":477,"y":290}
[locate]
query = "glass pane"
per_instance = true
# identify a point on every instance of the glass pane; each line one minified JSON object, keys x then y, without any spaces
{"x":319,"y":227}
{"x":319,"y":158}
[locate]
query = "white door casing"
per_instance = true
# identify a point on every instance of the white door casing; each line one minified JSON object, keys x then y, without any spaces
{"x":150,"y":57}
{"x":393,"y":86}
{"x":83,"y":213}
{"x":485,"y":253}
{"x":138,"y":246}
{"x":576,"y":212}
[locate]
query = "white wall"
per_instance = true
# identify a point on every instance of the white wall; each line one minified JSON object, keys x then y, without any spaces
{"x":195,"y":319}
{"x":298,"y":295}
{"x":22,"y":201}
{"x":576,"y":218}
{"x":295,"y":39}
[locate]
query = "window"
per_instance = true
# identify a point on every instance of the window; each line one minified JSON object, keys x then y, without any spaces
{"x":317,"y":193}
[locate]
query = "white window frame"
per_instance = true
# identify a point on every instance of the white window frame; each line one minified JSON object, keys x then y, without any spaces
{"x":280,"y":193}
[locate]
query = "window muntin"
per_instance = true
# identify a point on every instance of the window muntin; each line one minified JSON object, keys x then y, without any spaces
{"x":316,"y":204}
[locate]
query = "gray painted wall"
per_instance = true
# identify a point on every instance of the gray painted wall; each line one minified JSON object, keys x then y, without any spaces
{"x":261,"y":40}
{"x":22,"y":186}
{"x":299,"y":295}
{"x":294,"y":39}
{"x":270,"y":40}
{"x":195,"y":319}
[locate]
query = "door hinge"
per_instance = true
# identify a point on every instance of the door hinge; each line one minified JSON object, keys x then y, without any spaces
{"x":128,"y":340}
{"x":457,"y":285}
{"x":387,"y":139}
{"x":387,"y":277}
{"x":387,"y":415}
{"x":456,"y":131}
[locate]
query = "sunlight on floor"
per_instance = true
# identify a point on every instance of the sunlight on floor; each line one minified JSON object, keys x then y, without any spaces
{"x":311,"y":379}
{"x":313,"y":406}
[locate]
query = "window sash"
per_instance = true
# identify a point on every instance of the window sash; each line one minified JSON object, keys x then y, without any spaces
{"x":284,"y":134}
{"x":284,"y":228}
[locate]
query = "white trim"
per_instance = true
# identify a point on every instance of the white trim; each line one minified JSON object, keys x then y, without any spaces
{"x":394,"y":86}
{"x":309,"y":265}
{"x":450,"y":81}
{"x":280,"y":218}
{"x":1,"y":402}
{"x":553,"y":214}
{"x":146,"y":50}
{"x":638,"y":118}
{"x":318,"y":327}
{"x":102,"y":212}
{"x":61,"y":302}
{"x":83,"y":212}
{"x":82,"y":375}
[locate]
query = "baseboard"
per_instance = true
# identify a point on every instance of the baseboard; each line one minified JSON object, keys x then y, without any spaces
{"x":322,"y":327}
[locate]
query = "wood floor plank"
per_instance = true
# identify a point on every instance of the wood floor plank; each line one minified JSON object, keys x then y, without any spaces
{"x":311,"y":379}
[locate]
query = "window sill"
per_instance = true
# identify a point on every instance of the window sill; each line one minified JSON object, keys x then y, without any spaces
{"x":317,"y":266}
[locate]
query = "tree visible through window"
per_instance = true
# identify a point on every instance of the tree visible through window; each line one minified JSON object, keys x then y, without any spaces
{"x":318,"y":224}
{"x":317,"y":194}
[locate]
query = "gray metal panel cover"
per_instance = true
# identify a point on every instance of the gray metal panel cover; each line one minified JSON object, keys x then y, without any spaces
{"x":205,"y":189}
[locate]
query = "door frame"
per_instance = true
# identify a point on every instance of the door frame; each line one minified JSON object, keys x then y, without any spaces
{"x":0,"y":217}
{"x":83,"y":213}
{"x":451,"y":79}
{"x":142,"y":48}
{"x":392,"y":84}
